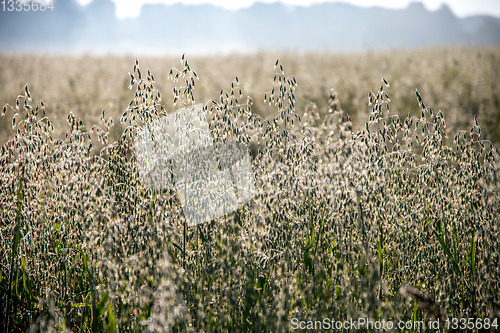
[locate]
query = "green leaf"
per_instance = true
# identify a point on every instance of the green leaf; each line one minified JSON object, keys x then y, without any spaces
{"x":15,"y":242}
{"x":84,"y":259}
{"x":440,"y":228}
{"x":308,"y":262}
{"x":95,"y":317}
{"x":447,"y":252}
{"x":20,"y":191}
{"x":312,"y":231}
{"x":427,"y":221}
{"x":153,"y":201}
{"x":472,"y":264}
{"x":307,"y":247}
{"x":111,"y":319}
{"x":26,"y":283}
{"x":100,"y":306}
{"x":380,"y":254}
{"x":177,"y":246}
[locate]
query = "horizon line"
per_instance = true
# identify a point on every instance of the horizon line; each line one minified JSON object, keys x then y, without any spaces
{"x":120,"y":14}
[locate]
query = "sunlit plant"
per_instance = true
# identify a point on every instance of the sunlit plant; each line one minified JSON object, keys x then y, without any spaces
{"x":394,"y":221}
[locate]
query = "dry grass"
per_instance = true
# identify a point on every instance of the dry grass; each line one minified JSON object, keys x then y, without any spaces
{"x":462,"y":82}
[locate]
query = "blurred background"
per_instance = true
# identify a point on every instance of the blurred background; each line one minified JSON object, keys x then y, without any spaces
{"x":158,"y":27}
{"x":76,"y":55}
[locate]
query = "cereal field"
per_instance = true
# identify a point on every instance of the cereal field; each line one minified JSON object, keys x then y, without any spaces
{"x":377,"y":179}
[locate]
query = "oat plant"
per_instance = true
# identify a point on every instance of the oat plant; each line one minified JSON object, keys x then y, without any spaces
{"x":396,"y":221}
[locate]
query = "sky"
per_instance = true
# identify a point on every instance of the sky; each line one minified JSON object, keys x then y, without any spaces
{"x":461,"y":8}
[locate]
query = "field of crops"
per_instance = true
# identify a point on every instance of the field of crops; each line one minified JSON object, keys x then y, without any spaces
{"x":377,"y":192}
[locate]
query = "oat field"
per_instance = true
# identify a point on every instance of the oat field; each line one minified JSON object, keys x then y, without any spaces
{"x":377,"y":180}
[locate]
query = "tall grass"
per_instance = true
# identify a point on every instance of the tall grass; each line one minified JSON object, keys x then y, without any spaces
{"x":395,"y":221}
{"x":463,"y":82}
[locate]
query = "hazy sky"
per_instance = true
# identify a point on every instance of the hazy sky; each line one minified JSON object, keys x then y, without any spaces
{"x":461,"y":8}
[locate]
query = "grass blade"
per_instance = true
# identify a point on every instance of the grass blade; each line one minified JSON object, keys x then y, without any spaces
{"x":472,"y":264}
{"x":447,"y":252}
{"x":100,"y":306}
{"x":111,"y":319}
{"x":26,"y":283}
{"x":380,"y":254}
